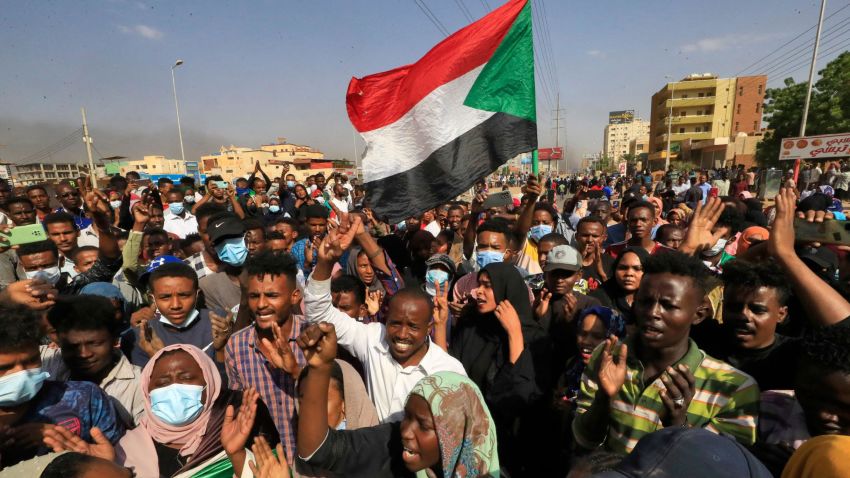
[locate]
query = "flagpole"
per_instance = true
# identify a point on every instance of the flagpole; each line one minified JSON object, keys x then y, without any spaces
{"x":535,"y":168}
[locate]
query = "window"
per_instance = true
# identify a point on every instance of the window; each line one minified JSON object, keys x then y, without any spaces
{"x":684,"y":96}
{"x":741,"y":91}
{"x":699,"y":112}
{"x":681,"y":130}
{"x":755,"y":125}
{"x":698,"y":129}
{"x":760,"y":87}
{"x":683,"y":114}
{"x":736,"y":126}
{"x":701,"y":95}
{"x":739,"y":109}
{"x":758,"y":107}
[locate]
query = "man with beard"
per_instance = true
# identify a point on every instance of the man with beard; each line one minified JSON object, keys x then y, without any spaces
{"x":596,"y":267}
{"x":639,"y":220}
{"x":304,"y":251}
{"x":264,"y":356}
{"x":395,"y":356}
{"x":454,"y":219}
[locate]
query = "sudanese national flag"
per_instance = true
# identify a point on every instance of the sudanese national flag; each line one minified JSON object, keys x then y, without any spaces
{"x":436,"y":126}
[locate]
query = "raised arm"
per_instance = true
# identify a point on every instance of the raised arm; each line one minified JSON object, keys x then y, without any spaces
{"x":373,"y":251}
{"x":533,"y":191}
{"x":319,"y":345}
{"x":825,"y":306}
{"x":231,"y":196}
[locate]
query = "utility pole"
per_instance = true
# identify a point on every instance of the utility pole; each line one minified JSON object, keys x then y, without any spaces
{"x":557,"y":128}
{"x":811,"y":80}
{"x":88,"y":140}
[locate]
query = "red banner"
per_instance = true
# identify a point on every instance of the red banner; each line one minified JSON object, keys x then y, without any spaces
{"x":550,"y":154}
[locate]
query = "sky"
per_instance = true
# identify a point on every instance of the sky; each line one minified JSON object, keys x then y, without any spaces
{"x":256,"y":71}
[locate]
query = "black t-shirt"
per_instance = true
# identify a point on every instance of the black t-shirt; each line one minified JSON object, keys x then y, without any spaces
{"x":772,"y":367}
{"x":591,"y":275}
{"x":169,"y":459}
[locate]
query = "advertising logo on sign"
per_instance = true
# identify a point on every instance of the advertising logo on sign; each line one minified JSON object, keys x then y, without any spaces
{"x":825,"y":146}
{"x":550,"y":154}
{"x":621,"y":117}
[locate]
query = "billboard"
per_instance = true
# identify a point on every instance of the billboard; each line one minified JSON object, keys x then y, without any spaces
{"x":621,"y":117}
{"x":550,"y":154}
{"x":825,"y":146}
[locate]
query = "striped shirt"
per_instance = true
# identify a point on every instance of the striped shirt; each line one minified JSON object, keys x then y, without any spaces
{"x":247,"y":367}
{"x":725,"y":401}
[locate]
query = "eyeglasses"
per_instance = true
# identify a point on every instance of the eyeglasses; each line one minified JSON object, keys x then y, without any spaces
{"x":70,"y":194}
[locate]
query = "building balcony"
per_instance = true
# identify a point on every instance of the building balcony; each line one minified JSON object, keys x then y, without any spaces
{"x":685,"y":102}
{"x":693,"y":136}
{"x":689,"y":119}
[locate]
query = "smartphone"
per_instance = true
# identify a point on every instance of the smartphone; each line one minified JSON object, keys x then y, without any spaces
{"x":220,"y":184}
{"x":615,"y":204}
{"x":499,"y":199}
{"x":26,"y":234}
{"x":827,"y":232}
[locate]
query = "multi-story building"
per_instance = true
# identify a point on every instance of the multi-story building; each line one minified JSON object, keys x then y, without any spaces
{"x":39,"y":173}
{"x":621,"y":130}
{"x":639,"y":147}
{"x":703,"y":107}
{"x":154,"y":165}
{"x":236,"y":161}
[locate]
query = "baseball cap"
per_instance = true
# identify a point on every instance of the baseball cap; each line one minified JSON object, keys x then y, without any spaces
{"x":691,"y":452}
{"x":563,"y":257}
{"x":443,"y":260}
{"x":223,"y":226}
{"x":156,"y":263}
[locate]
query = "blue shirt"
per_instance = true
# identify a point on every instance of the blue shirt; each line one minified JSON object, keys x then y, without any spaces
{"x":77,"y":406}
{"x":705,"y":189}
{"x":298,"y":252}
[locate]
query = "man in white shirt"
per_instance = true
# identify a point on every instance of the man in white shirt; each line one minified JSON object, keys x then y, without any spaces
{"x":395,"y":356}
{"x":178,"y":220}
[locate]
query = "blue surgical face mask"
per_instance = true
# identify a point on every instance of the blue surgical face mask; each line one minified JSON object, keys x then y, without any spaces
{"x":436,"y":276}
{"x":20,"y":387}
{"x":485,"y":258}
{"x":342,"y":425}
{"x":232,"y":251}
{"x":274,"y":208}
{"x":177,"y":404}
{"x":115,"y":204}
{"x":176,"y":208}
{"x":193,"y":316}
{"x":290,"y":184}
{"x":536,"y":232}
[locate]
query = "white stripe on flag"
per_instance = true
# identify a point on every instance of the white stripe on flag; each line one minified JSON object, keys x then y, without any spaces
{"x":437,"y":120}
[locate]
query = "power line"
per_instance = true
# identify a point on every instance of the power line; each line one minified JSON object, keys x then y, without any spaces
{"x":486,"y":5}
{"x":553,"y":63}
{"x":799,"y":65}
{"x":433,"y":18}
{"x":464,"y":10}
{"x":53,"y":148}
{"x":789,"y":42}
{"x":542,"y":42}
{"x":803,"y":50}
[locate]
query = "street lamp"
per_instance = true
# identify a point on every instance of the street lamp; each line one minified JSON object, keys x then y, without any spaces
{"x":669,"y":127}
{"x":177,"y":108}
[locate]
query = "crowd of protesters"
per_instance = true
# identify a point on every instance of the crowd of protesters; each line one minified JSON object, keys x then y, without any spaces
{"x":595,"y":326}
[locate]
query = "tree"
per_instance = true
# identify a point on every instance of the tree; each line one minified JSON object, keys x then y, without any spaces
{"x":829,"y":111}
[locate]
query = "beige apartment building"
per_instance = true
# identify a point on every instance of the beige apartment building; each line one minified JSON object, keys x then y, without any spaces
{"x":619,"y":136}
{"x":40,"y":173}
{"x":237,"y":161}
{"x":154,"y":165}
{"x":703,"y":107}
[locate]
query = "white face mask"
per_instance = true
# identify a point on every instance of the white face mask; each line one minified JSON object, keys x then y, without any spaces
{"x":49,"y":275}
{"x":193,"y":316}
{"x":717,"y":249}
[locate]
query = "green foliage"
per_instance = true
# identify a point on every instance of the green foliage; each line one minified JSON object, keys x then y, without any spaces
{"x":829,"y":111}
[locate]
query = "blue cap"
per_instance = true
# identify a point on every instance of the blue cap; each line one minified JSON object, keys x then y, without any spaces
{"x":688,"y":452}
{"x":154,"y":265}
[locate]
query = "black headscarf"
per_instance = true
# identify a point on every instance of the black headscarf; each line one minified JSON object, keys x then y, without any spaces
{"x":611,"y":294}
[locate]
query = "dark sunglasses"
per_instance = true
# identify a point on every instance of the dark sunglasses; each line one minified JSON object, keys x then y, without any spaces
{"x":70,"y":194}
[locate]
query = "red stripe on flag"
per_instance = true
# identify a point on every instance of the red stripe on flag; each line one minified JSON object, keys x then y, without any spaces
{"x":377,"y":100}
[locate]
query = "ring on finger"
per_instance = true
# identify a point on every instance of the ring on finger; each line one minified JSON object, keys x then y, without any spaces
{"x":679,"y":401}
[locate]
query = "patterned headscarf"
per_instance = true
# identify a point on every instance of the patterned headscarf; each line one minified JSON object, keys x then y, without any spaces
{"x":465,"y":429}
{"x":615,"y":326}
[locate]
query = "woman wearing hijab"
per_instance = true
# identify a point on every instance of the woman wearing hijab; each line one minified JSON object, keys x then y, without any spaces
{"x":188,"y":418}
{"x":751,"y":236}
{"x":593,"y":326}
{"x":370,"y":263}
{"x":619,"y":291}
{"x":447,"y":430}
{"x":505,"y":352}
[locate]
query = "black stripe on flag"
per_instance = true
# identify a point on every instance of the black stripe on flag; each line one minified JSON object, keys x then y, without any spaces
{"x":452,"y":169}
